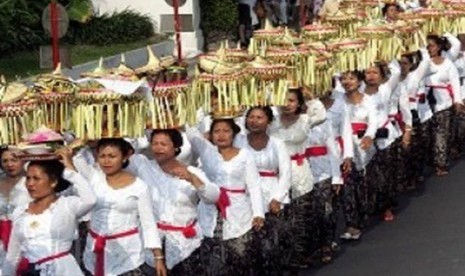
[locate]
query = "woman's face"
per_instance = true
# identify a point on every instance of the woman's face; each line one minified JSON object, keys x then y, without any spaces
{"x":12,"y":166}
{"x":257,"y":121}
{"x":405,"y":66}
{"x":110,"y":159}
{"x":373,"y":76}
{"x":162,"y":148}
{"x":38,"y":183}
{"x":222,"y":135}
{"x":350,"y":82}
{"x":292,"y":104}
{"x":433,"y":48}
{"x":391,"y":13}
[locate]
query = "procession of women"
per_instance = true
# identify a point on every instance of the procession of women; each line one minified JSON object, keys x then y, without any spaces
{"x":250,"y":166}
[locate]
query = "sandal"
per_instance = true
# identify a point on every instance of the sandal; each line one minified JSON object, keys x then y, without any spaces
{"x":388,"y":215}
{"x":440,"y":171}
{"x":326,"y":255}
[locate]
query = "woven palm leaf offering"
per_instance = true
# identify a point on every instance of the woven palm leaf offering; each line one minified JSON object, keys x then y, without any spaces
{"x":454,"y":4}
{"x":289,"y":39}
{"x":382,"y":44}
{"x":299,"y":61}
{"x":411,"y":35}
{"x":344,"y":20}
{"x":324,"y":70}
{"x":455,"y":19}
{"x":172,"y":105}
{"x":55,"y":93}
{"x":349,"y":54}
{"x":435,"y":20}
{"x":220,"y":83}
{"x":263,"y":37}
{"x":112,"y":105}
{"x":19,"y":112}
{"x":154,"y":64}
{"x":318,"y":31}
{"x":268,"y":83}
{"x":234,"y":55}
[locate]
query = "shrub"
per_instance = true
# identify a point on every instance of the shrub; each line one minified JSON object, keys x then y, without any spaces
{"x":118,"y":27}
{"x":218,"y":18}
{"x":21,"y":28}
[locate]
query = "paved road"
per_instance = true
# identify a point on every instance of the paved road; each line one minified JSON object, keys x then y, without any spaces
{"x":427,"y":237}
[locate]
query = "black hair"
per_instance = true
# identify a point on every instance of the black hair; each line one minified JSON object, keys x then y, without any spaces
{"x":266,"y":109}
{"x":3,"y":149}
{"x":124,"y":146}
{"x":54,"y":170}
{"x":174,"y":135}
{"x":413,"y":58}
{"x":300,"y":99}
{"x":440,"y":41}
{"x":235,"y":128}
{"x":383,"y":71}
{"x":387,"y":6}
{"x":360,"y":75}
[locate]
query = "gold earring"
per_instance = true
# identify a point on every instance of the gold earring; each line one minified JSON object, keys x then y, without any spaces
{"x":54,"y":184}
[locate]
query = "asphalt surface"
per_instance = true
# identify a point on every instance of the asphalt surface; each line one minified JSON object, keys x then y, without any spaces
{"x":426,"y":238}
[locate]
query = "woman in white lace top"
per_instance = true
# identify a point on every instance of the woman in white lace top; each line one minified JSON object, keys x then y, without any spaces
{"x":177,"y":190}
{"x":13,"y":193}
{"x":121,"y":223}
{"x":44,"y":229}
{"x":240,"y":205}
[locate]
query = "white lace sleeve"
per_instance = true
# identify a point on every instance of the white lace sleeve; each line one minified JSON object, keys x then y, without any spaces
{"x":209,"y":192}
{"x":333,"y":157}
{"x":253,"y":187}
{"x":347,"y":135}
{"x":210,"y":159}
{"x":372,"y":118}
{"x":13,"y":255}
{"x":284,"y":180}
{"x":404,"y":106}
{"x":148,"y":226}
{"x":83,"y":198}
{"x":454,"y":80}
{"x":454,"y":51}
{"x":82,"y":165}
{"x":316,"y":113}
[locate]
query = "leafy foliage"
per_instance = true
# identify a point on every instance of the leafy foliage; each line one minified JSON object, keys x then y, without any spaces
{"x":218,"y":17}
{"x":118,"y":27}
{"x":21,"y":29}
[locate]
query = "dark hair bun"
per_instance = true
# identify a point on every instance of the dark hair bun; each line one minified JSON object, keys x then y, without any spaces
{"x":54,"y":170}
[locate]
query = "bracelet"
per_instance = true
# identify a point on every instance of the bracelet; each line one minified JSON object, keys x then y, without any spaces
{"x":159,"y":257}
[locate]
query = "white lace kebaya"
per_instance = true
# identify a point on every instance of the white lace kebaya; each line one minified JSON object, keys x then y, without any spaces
{"x":50,"y":233}
{"x":238,"y":179}
{"x":274,"y":167}
{"x":121,"y":226}
{"x":295,"y":139}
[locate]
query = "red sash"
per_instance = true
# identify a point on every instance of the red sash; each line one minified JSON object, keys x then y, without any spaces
{"x":24,"y":263}
{"x":398,"y":118}
{"x":5,"y":232}
{"x":356,"y":127}
{"x":340,"y":141}
{"x":299,"y":158}
{"x":316,"y":151}
{"x":447,"y":88}
{"x":188,"y":231}
{"x":99,"y":248}
{"x":268,"y":174}
{"x":420,"y":97}
{"x":224,"y":201}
